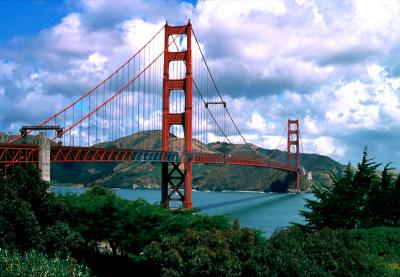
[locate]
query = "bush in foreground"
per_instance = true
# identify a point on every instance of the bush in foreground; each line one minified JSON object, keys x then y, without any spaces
{"x":292,"y":252}
{"x":37,"y":264}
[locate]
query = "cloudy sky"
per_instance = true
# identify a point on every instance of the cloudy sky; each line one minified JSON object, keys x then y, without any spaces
{"x":335,"y":65}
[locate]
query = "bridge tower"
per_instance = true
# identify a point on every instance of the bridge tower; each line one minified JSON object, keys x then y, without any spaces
{"x":177,"y":175}
{"x":293,"y":148}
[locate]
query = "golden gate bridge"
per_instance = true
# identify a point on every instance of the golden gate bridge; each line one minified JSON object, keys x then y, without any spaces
{"x":165,"y":91}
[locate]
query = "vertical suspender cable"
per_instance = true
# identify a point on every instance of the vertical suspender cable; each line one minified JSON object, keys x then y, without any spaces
{"x":128,"y":106}
{"x":134,"y":100}
{"x":88,"y":128}
{"x":122,"y":108}
{"x":144,"y":97}
{"x":139,"y":93}
{"x":80,"y":126}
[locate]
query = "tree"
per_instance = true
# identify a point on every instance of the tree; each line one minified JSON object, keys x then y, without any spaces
{"x":378,"y":205}
{"x":356,"y":199}
{"x":126,"y":226}
{"x":29,"y":185}
{"x":394,"y":201}
{"x":334,"y":206}
{"x":19,"y":228}
{"x":29,"y":213}
{"x":365,"y":180}
{"x":59,"y":240}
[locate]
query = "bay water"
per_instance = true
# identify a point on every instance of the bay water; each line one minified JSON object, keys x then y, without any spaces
{"x":264,"y":211}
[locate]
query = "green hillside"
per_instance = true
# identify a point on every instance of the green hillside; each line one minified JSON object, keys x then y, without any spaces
{"x":205,"y":177}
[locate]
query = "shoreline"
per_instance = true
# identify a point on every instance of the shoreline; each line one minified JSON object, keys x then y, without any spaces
{"x":222,"y":191}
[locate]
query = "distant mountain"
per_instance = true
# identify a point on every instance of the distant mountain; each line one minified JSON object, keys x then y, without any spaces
{"x":206,"y":177}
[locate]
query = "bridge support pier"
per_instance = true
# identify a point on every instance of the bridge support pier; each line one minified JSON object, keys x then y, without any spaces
{"x":3,"y":138}
{"x":44,"y":156}
{"x":176,"y":175}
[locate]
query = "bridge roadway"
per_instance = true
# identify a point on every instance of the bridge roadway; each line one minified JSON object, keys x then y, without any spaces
{"x":12,"y":154}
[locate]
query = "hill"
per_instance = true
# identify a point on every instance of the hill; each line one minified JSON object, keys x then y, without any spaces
{"x":205,"y":177}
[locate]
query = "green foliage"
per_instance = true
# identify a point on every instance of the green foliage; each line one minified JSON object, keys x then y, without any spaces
{"x":128,"y":226}
{"x":203,"y":253}
{"x":291,"y":252}
{"x":36,"y":264}
{"x":27,"y":186}
{"x":144,"y":239}
{"x":321,"y":253}
{"x":356,"y":199}
{"x":18,"y":225}
{"x":59,"y":240}
{"x":21,"y":201}
{"x":381,"y":244}
{"x":29,"y":215}
{"x":115,"y":230}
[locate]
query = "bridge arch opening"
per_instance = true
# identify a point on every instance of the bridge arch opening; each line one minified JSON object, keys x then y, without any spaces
{"x":177,"y":70}
{"x":177,"y":101}
{"x":177,"y":43}
{"x":177,"y":139}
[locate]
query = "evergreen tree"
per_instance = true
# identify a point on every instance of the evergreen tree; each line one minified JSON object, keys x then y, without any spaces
{"x":394,"y":201}
{"x":334,"y":205}
{"x":365,"y":180}
{"x":359,"y":199}
{"x":377,"y":210}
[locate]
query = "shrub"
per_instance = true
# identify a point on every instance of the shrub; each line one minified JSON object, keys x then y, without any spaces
{"x":291,"y":252}
{"x":37,"y":264}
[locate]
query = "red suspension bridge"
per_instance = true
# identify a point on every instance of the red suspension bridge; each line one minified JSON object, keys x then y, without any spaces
{"x":166,"y":90}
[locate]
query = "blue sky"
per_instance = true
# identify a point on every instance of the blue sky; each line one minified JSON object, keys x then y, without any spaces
{"x":27,"y":18}
{"x":333,"y":64}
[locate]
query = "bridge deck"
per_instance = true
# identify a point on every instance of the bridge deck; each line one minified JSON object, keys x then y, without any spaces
{"x":12,"y":154}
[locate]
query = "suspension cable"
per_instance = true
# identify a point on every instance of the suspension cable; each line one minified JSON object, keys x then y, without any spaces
{"x":215,"y":86}
{"x":91,"y":90}
{"x":121,"y":90}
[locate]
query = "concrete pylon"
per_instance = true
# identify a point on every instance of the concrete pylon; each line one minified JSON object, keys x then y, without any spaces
{"x":44,"y":156}
{"x":3,"y":138}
